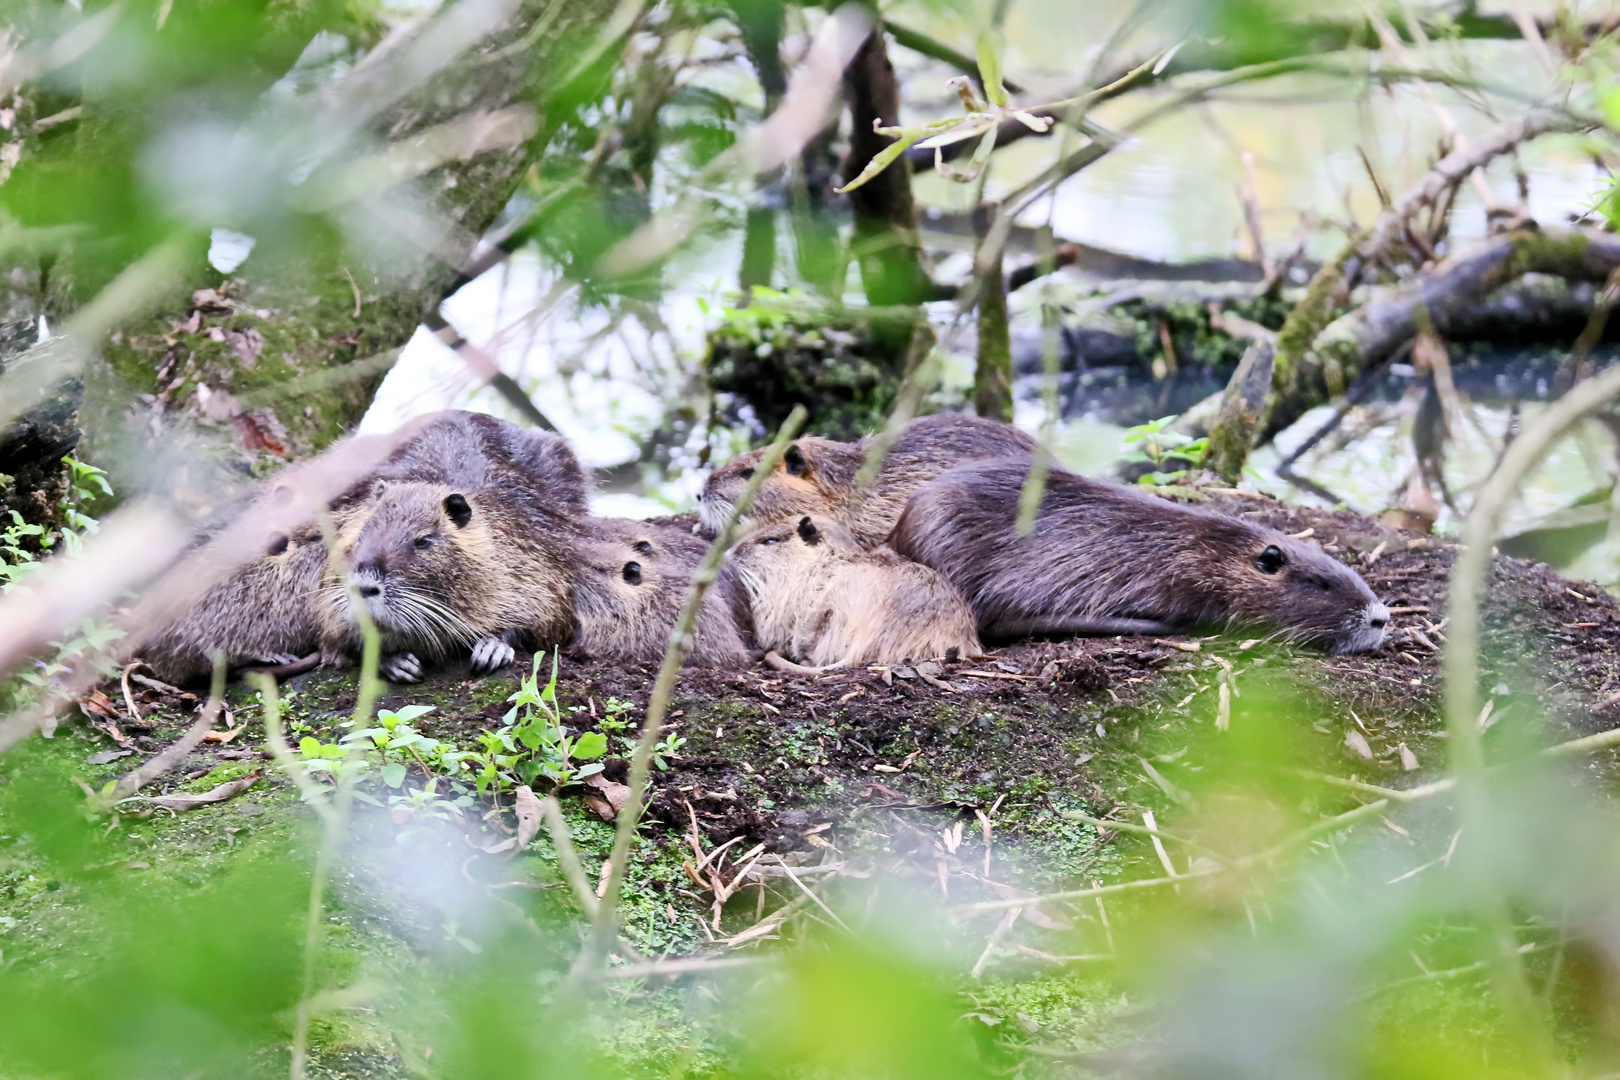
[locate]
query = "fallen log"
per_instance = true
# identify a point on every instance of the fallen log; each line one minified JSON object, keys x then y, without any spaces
{"x":1449,"y":294}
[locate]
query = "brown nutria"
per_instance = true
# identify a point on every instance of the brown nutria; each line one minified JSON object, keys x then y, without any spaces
{"x":263,"y":613}
{"x":819,"y":597}
{"x":1106,"y":559}
{"x":630,"y":584}
{"x":817,"y":476}
{"x":439,"y":570}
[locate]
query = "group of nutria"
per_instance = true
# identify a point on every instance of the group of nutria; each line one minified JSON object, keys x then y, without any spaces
{"x":474,"y":539}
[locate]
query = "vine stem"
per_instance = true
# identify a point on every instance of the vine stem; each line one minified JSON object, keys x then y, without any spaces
{"x":333,"y":809}
{"x":1461,"y":666}
{"x":606,"y":923}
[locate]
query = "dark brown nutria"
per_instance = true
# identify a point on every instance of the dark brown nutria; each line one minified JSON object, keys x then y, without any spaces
{"x":1105,"y":559}
{"x":439,"y":570}
{"x":630,"y":584}
{"x":818,"y":596}
{"x":264,"y":613}
{"x":817,"y":476}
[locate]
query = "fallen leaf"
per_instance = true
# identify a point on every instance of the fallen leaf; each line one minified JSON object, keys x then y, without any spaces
{"x":225,"y":736}
{"x":229,"y":789}
{"x":527,"y":808}
{"x":1357,"y":742}
{"x":99,"y":704}
{"x":1409,"y":760}
{"x":256,"y":435}
{"x":106,"y":756}
{"x":605,"y":798}
{"x":246,"y":345}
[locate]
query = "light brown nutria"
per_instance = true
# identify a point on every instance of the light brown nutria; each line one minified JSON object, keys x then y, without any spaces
{"x":1106,"y":559}
{"x":819,"y":597}
{"x":630,"y":584}
{"x":817,"y":476}
{"x":263,"y":613}
{"x":439,"y":570}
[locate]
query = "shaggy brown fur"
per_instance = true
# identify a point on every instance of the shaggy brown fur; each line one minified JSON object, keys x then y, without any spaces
{"x":1107,"y":559}
{"x":630,"y":585}
{"x":817,"y":596}
{"x":439,"y":570}
{"x":266,"y":611}
{"x":817,"y":476}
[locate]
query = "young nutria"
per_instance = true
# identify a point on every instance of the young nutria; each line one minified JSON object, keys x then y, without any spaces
{"x":817,"y":596}
{"x":630,"y":584}
{"x":439,"y":570}
{"x":1107,"y":559}
{"x":817,"y":476}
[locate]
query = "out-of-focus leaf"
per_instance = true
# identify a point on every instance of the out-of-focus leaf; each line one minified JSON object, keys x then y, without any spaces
{"x":990,"y":70}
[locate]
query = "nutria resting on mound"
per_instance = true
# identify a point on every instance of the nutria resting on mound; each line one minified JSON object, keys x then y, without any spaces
{"x":630,"y":584}
{"x":1107,"y":559}
{"x":439,"y":570}
{"x":266,"y":612}
{"x":817,"y":476}
{"x":818,"y":597}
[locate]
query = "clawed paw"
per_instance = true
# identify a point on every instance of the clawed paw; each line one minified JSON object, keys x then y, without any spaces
{"x":491,"y":654}
{"x":401,"y":668}
{"x":275,"y":659}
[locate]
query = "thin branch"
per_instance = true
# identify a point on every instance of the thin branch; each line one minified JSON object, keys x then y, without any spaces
{"x":680,"y":644}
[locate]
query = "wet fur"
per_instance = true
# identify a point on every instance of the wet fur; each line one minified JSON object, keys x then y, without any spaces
{"x":630,"y":615}
{"x":819,"y":597}
{"x":1103,"y":552}
{"x":817,"y":476}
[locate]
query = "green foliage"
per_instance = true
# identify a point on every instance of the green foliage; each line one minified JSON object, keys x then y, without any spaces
{"x":1172,"y":454}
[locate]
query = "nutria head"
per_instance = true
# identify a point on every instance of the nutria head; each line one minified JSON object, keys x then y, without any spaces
{"x":1267,"y":578}
{"x":414,"y":559}
{"x":813,"y":476}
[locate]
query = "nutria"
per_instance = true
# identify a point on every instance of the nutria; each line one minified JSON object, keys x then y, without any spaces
{"x":265,"y":611}
{"x":630,"y":583}
{"x":817,"y":476}
{"x":818,"y":596}
{"x":438,"y":570}
{"x":1106,"y":559}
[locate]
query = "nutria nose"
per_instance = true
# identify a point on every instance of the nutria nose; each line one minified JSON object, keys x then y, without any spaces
{"x":369,"y":590}
{"x":1377,"y":616}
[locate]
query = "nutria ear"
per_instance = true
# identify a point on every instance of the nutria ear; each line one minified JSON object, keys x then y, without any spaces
{"x":1271,"y":560}
{"x":808,"y":531}
{"x":632,"y":573}
{"x":794,"y":460}
{"x":378,"y":488}
{"x":283,"y":495}
{"x":278,"y":544}
{"x":456,"y":506}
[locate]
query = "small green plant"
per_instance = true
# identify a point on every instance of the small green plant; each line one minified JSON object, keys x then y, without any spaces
{"x":1172,"y":454}
{"x":532,"y":744}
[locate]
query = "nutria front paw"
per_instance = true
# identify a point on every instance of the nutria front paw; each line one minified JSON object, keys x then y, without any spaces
{"x":491,"y":654}
{"x":401,"y":668}
{"x":273,"y":659}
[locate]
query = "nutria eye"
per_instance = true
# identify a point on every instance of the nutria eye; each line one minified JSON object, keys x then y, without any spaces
{"x":1271,"y":560}
{"x":642,"y":546}
{"x":769,"y":540}
{"x":423,"y":543}
{"x":747,"y":474}
{"x":632,"y":573}
{"x":278,"y":543}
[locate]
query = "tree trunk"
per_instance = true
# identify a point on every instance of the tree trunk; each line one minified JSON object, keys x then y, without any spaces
{"x":886,"y":240}
{"x":1241,"y":411}
{"x":992,"y":373}
{"x":282,"y":356}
